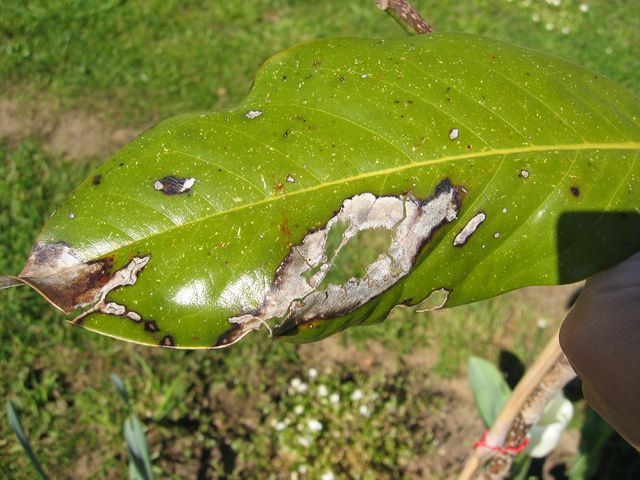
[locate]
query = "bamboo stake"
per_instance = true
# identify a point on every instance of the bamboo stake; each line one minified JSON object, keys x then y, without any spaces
{"x":548,"y":375}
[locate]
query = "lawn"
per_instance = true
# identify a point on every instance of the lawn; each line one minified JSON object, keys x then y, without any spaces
{"x":79,"y":79}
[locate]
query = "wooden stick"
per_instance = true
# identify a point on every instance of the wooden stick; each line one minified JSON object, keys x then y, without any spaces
{"x":407,"y":16}
{"x":548,"y":375}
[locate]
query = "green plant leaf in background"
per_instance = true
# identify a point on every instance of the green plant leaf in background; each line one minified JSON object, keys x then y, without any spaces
{"x":16,"y":426}
{"x":489,"y":388}
{"x":356,"y":175}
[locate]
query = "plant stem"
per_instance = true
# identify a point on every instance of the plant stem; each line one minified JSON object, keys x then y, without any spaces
{"x":407,"y":16}
{"x":549,"y":373}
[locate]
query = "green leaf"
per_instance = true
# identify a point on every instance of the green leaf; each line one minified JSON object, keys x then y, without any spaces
{"x":489,"y":388}
{"x":16,"y":426}
{"x":484,"y":167}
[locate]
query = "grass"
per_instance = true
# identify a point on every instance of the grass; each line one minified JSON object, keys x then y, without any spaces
{"x":216,"y":414}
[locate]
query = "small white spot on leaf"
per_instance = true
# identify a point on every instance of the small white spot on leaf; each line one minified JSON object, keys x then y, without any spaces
{"x":469,"y":229}
{"x":454,"y":133}
{"x":253,"y":114}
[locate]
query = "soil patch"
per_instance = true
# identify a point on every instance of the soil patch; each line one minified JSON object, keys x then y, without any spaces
{"x":76,"y":133}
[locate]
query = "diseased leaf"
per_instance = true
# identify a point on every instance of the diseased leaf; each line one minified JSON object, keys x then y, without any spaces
{"x":357,"y":175}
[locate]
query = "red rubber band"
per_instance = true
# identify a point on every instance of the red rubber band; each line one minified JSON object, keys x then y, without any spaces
{"x":495,"y":448}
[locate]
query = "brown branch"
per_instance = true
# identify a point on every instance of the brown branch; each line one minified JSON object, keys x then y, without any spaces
{"x":407,"y":16}
{"x":549,"y":373}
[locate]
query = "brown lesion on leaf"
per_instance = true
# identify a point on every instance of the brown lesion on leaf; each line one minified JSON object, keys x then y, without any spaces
{"x":96,"y":180}
{"x":171,"y":185}
{"x":62,"y":278}
{"x":167,"y":341}
{"x":309,"y":286}
{"x":151,"y":326}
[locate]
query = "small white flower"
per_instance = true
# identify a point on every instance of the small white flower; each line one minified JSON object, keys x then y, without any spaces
{"x":298,"y":385}
{"x":314,"y":425}
{"x":584,"y":8}
{"x":566,"y":30}
{"x":365,"y":411}
{"x":302,"y":469}
{"x":323,"y":391}
{"x":549,"y":26}
{"x":535,"y":17}
{"x":298,"y":410}
{"x":304,"y":441}
{"x":327,"y":476}
{"x":357,"y":395}
{"x":543,"y":323}
{"x":279,"y":426}
{"x":313,"y":373}
{"x":334,"y":398}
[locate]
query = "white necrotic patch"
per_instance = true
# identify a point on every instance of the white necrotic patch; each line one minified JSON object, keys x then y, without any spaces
{"x":454,"y":133}
{"x":298,"y":293}
{"x":469,"y":229}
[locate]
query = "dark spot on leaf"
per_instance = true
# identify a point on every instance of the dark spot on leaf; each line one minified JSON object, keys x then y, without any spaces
{"x":96,"y":180}
{"x":167,"y":341}
{"x":171,"y":185}
{"x":151,"y":326}
{"x":575,"y":191}
{"x":469,"y":147}
{"x":121,"y":165}
{"x":285,"y":135}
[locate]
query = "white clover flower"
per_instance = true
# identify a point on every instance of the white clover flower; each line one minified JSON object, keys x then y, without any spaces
{"x":323,"y":391}
{"x":545,"y":435}
{"x":314,"y":425}
{"x":313,"y":373}
{"x":364,"y":410}
{"x":542,"y":323}
{"x":549,"y":26}
{"x":304,"y":441}
{"x":298,"y":410}
{"x":357,"y":395}
{"x":279,"y":426}
{"x":327,"y":476}
{"x":334,"y":398}
{"x":298,"y":385}
{"x":584,"y":8}
{"x":566,"y":30}
{"x":535,"y":18}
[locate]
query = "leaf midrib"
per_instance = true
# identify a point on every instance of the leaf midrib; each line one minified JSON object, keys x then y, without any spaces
{"x":400,"y":168}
